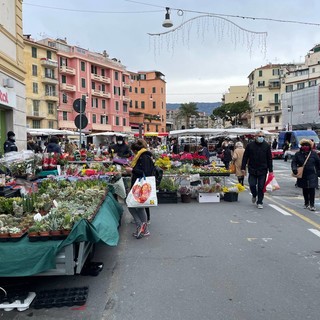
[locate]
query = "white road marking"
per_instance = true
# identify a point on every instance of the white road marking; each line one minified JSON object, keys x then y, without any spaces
{"x":315,"y":231}
{"x":280,"y":210}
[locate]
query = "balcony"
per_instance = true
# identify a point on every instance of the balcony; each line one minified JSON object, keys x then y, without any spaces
{"x":49,"y":80}
{"x":99,"y":93}
{"x":101,"y":127}
{"x":267,"y":112}
{"x":274,"y":84}
{"x":36,"y":115}
{"x":69,"y":125}
{"x":98,"y":77}
{"x":68,"y":70}
{"x":49,"y":63}
{"x":51,"y":96}
{"x":126,"y":99}
{"x":126,"y":85}
{"x":67,"y":87}
{"x":274,"y":101}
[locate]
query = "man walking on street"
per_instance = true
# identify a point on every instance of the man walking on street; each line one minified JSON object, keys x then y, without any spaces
{"x":257,"y":156}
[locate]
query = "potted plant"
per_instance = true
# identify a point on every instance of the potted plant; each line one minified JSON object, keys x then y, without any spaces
{"x":230,"y":194}
{"x":168,"y":190}
{"x":185,"y":193}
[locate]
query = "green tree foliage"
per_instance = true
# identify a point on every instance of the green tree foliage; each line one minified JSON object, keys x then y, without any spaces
{"x":231,"y":111}
{"x":187,"y":110}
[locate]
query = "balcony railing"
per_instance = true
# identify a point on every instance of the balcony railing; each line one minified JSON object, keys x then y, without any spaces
{"x":126,"y":85}
{"x":277,"y":101}
{"x":68,"y":70}
{"x":36,"y":114}
{"x":100,"y":78}
{"x":67,"y":87}
{"x":52,"y":96}
{"x":50,"y":80}
{"x":100,"y":93}
{"x":49,"y":63}
{"x":126,"y":99}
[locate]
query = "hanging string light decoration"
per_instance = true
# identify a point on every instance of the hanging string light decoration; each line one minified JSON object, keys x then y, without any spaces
{"x":222,"y":27}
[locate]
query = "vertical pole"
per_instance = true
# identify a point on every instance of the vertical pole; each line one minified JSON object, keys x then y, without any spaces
{"x":80,"y":130}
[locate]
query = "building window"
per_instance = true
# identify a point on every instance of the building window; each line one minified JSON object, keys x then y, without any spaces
{"x":289,"y":88}
{"x":275,"y":72}
{"x":154,"y":104}
{"x":276,"y":108}
{"x":261,"y":83}
{"x":64,"y":115}
{"x":94,"y":118}
{"x":142,"y":104}
{"x":260,"y":97}
{"x":153,"y":89}
{"x":63,"y":79}
{"x":300,"y":86}
{"x":35,"y":87}
{"x":50,"y":108}
{"x":51,"y":124}
{"x":103,"y":72}
{"x":36,"y":107}
{"x":135,"y":90}
{"x":312,"y":83}
{"x":83,"y":66}
{"x":36,"y":124}
{"x":63,"y":61}
{"x":94,"y":103}
{"x":157,"y":128}
{"x":130,"y":89}
{"x":94,"y":70}
{"x":276,"y":119}
{"x":142,"y":90}
{"x":269,"y":119}
{"x":260,"y":73}
{"x":34,"y":52}
{"x":124,"y":121}
{"x":64,"y":98}
{"x":148,"y":127}
{"x":83,"y":82}
{"x":102,"y":119}
{"x":34,"y":70}
{"x":116,"y":90}
{"x":142,"y":77}
{"x":261,"y":120}
{"x":49,"y":54}
{"x":125,"y":108}
{"x":103,"y":104}
{"x":136,"y":104}
{"x":117,"y":121}
{"x":116,"y":105}
{"x":116,"y":75}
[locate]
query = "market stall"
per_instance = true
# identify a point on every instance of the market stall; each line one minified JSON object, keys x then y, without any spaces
{"x":26,"y":258}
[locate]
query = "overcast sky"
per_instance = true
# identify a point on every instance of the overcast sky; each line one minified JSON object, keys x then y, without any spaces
{"x":202,"y":58}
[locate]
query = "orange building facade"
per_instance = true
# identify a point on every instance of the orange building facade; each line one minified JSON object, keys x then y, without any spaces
{"x":147,"y":101}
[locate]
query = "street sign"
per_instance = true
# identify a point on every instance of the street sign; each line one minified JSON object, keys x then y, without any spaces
{"x":79,"y":105}
{"x":81,"y":124}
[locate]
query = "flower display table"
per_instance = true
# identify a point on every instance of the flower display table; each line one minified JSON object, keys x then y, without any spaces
{"x":62,"y":256}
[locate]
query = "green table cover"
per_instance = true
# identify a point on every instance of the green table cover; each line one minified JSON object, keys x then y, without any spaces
{"x":25,"y":258}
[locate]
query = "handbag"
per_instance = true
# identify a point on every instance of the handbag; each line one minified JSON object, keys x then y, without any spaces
{"x":232,"y":168}
{"x":300,"y":169}
{"x":143,"y":193}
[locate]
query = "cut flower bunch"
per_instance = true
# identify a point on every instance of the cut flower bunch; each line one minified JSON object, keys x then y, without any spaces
{"x":235,"y":188}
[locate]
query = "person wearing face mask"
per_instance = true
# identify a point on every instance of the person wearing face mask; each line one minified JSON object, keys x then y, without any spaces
{"x":120,"y":148}
{"x":10,"y":143}
{"x":257,"y":156}
{"x":309,"y":158}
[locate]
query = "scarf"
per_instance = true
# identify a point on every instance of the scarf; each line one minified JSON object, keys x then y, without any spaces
{"x":137,"y":156}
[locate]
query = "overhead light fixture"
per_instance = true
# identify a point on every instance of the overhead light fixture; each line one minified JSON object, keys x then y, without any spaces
{"x":167,"y":23}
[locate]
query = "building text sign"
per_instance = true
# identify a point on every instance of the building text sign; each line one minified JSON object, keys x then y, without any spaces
{"x":7,"y":98}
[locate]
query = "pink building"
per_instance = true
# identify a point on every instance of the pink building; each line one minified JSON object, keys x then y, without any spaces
{"x":100,"y":81}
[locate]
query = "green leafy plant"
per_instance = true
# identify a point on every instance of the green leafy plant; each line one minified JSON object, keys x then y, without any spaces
{"x":168,"y":184}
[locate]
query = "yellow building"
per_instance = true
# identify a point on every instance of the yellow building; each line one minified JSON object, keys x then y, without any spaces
{"x":236,"y":94}
{"x":12,"y":74}
{"x":42,"y":97}
{"x":264,"y":97}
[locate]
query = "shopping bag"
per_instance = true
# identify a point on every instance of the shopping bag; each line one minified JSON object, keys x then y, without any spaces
{"x":299,"y":174}
{"x":232,"y":167}
{"x":143,"y":193}
{"x":271,"y":184}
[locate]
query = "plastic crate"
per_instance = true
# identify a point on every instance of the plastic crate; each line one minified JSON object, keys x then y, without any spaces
{"x":230,"y":196}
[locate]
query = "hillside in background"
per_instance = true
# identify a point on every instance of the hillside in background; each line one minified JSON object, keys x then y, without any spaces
{"x":206,"y":107}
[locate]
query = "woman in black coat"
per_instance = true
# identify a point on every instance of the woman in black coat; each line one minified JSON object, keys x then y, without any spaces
{"x":309,"y":180}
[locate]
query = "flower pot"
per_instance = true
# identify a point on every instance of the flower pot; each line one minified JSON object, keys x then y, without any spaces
{"x":230,"y":196}
{"x":186,"y":198}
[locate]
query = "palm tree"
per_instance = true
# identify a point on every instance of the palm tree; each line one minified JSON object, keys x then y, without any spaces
{"x":187,"y":110}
